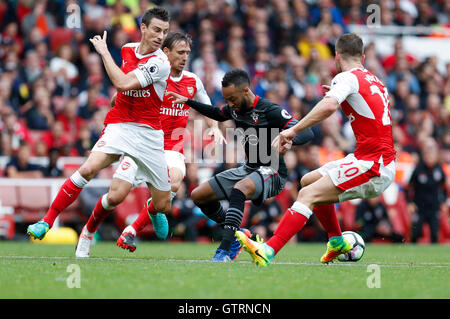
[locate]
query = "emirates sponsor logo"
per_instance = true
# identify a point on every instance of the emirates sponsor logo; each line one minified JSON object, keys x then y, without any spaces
{"x":174,"y":112}
{"x":137,"y":93}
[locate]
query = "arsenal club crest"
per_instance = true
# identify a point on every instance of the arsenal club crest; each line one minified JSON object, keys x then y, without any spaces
{"x":255,"y":117}
{"x":190,"y":90}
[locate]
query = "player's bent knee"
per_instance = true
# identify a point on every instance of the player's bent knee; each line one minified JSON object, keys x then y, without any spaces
{"x":163,"y":205}
{"x":197,"y":196}
{"x":307,"y":196}
{"x":175,"y":186}
{"x":310,"y":178}
{"x":115,"y":198}
{"x":87,"y":171}
{"x":246,"y":186}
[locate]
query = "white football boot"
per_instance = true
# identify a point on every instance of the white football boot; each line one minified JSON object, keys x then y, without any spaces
{"x":84,"y":244}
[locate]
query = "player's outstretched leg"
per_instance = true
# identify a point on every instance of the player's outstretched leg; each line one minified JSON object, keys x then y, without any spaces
{"x":261,"y":253}
{"x":67,"y":194}
{"x":101,"y":210}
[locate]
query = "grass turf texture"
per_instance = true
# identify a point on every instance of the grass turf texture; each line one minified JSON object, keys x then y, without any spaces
{"x":181,"y":270}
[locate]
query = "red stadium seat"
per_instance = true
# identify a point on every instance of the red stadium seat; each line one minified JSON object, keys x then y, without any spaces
{"x":33,"y":202}
{"x":8,"y":196}
{"x":346,"y":212}
{"x":73,"y":214}
{"x":70,"y":168}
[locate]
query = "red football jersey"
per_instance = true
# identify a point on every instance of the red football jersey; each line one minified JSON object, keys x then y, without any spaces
{"x":141,"y":106}
{"x":365,"y":102}
{"x":174,"y":117}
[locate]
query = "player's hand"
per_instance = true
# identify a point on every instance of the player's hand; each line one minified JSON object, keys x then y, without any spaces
{"x":100,"y":43}
{"x":282,"y":149}
{"x":176,"y":98}
{"x":284,"y":138}
{"x":216,"y":133}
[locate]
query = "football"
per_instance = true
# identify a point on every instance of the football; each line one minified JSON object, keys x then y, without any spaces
{"x":358,"y":247}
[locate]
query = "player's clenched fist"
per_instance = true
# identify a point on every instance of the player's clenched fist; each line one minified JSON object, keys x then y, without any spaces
{"x":100,"y":43}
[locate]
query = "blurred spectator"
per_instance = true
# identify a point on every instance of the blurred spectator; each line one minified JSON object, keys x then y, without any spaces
{"x":70,"y":119}
{"x":372,"y":221}
{"x":326,"y":5}
{"x":20,"y":166}
{"x":56,"y":138}
{"x":38,"y":17}
{"x":92,"y":100}
{"x":15,"y":129}
{"x":11,"y":35}
{"x":64,"y":70}
{"x":40,"y":115}
{"x":311,"y":42}
{"x":427,"y":192}
{"x":390,"y":61}
{"x":5,"y":145}
{"x":187,"y":221}
{"x":301,"y":15}
{"x":32,"y":67}
{"x":52,"y":170}
{"x":84,"y":142}
{"x":263,"y":220}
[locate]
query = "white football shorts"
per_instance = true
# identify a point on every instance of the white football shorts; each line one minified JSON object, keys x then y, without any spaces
{"x":359,"y":178}
{"x":144,"y":148}
{"x":175,"y":159}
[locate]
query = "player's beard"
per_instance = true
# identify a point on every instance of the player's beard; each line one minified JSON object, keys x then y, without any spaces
{"x":245,"y":105}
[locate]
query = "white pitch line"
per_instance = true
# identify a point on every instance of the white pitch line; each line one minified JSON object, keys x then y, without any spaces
{"x":336,"y":264}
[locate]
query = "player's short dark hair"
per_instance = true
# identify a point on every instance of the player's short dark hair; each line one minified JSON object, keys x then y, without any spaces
{"x":174,"y":37}
{"x":350,"y":45}
{"x":236,"y":77}
{"x":156,"y":12}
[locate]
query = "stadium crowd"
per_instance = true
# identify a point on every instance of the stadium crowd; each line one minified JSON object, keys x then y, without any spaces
{"x":54,"y":93}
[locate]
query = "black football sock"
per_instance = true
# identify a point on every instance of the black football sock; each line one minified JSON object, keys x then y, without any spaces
{"x":214,"y":211}
{"x":233,"y":218}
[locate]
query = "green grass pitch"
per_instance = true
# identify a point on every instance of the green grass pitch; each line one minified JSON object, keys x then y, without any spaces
{"x":166,"y":270}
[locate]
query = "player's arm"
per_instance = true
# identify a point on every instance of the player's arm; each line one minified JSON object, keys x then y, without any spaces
{"x":303,"y":136}
{"x":325,"y":108}
{"x":210,"y":111}
{"x":202,"y":96}
{"x":281,"y":118}
{"x":120,"y":80}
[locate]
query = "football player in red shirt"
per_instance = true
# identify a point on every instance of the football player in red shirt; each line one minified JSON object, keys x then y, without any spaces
{"x":174,"y":117}
{"x":365,"y":173}
{"x":132,"y":131}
